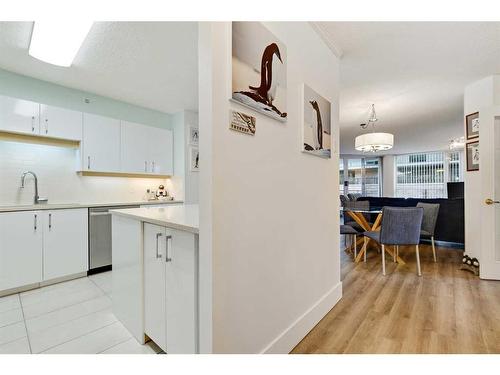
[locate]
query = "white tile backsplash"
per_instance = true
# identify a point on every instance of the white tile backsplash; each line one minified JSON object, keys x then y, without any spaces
{"x":55,"y":167}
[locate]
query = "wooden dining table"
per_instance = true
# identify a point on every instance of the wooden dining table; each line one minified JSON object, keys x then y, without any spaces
{"x":358,"y":215}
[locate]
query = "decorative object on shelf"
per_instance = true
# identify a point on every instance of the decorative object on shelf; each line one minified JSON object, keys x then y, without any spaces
{"x":194,"y":136}
{"x":373,"y":142}
{"x":194,"y":159}
{"x":162,"y":193}
{"x":457,"y":143}
{"x":472,"y":125}
{"x":316,"y":127}
{"x":472,"y":156}
{"x":242,"y":123}
{"x":470,"y":264}
{"x":259,"y":69}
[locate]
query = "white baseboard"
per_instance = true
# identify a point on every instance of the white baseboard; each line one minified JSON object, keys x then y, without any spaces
{"x":291,"y":336}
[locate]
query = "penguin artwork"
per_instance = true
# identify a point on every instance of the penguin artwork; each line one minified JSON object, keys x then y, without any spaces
{"x":265,"y":93}
{"x":317,"y":126}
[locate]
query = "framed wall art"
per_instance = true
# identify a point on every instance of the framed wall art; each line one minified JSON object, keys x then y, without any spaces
{"x":194,"y":159}
{"x":472,"y":155}
{"x":242,"y":123}
{"x":472,"y":125}
{"x":259,"y":66}
{"x":194,"y":136}
{"x":316,"y":124}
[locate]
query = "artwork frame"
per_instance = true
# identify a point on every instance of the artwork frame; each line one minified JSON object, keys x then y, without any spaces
{"x":472,"y":125}
{"x":194,"y":135}
{"x":472,"y":155}
{"x":243,"y":123}
{"x":194,"y":154}
{"x":259,"y":70}
{"x":316,"y":115}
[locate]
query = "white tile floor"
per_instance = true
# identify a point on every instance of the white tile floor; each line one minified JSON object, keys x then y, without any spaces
{"x":71,"y":317}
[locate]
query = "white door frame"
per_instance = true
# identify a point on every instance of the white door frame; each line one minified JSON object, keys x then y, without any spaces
{"x":490,"y":127}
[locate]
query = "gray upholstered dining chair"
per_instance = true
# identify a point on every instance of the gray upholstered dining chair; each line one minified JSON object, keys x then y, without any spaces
{"x":350,"y":231}
{"x":343,"y":199}
{"x":400,"y":226}
{"x":431,"y":211}
{"x":359,"y":205}
{"x":353,"y":197}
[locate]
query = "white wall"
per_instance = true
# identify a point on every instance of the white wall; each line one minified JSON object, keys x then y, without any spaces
{"x":268,"y":212}
{"x":57,"y":177}
{"x":480,"y":94}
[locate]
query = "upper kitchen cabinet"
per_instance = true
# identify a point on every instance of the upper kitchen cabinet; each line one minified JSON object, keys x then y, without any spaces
{"x":134,"y":148}
{"x":61,"y":123}
{"x":146,"y":149}
{"x":19,"y":116}
{"x":100,"y":144}
{"x":161,"y":151}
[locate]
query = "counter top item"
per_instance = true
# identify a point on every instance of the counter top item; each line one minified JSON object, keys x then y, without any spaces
{"x":182,"y":217}
{"x":59,"y":206}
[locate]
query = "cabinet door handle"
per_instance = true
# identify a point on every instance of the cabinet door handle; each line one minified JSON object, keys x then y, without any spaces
{"x":32,"y":124}
{"x":50,"y":221}
{"x":158,"y":235}
{"x":145,"y":166}
{"x":167,"y":248}
{"x":88,"y":162}
{"x":35,"y":224}
{"x":46,"y":126}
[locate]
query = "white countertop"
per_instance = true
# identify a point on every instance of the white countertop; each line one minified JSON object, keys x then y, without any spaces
{"x":183,"y":217}
{"x":58,"y":206}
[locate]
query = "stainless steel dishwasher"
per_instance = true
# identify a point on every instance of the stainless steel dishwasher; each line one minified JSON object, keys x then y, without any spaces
{"x":100,"y":238}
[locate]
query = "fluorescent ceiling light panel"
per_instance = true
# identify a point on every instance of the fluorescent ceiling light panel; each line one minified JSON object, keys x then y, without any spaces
{"x":58,"y":42}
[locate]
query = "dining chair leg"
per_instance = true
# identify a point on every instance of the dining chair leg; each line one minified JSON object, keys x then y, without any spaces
{"x":418,"y":261}
{"x":394,"y":254}
{"x":366,"y":248}
{"x":383,"y":260}
{"x":433,"y":249}
{"x":355,"y":246}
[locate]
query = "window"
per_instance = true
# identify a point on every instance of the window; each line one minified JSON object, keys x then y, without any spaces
{"x":360,"y":176}
{"x":425,"y":175}
{"x":341,"y":176}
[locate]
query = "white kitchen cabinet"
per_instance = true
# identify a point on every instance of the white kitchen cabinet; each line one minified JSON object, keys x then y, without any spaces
{"x":61,"y":123}
{"x":146,"y":149}
{"x":20,"y":249}
{"x":134,"y":148}
{"x":170,"y":288}
{"x":19,"y":116}
{"x":160,"y":142}
{"x":65,"y":242}
{"x":101,"y":144}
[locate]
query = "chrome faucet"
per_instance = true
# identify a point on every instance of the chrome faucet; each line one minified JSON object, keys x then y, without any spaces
{"x":36,"y":198}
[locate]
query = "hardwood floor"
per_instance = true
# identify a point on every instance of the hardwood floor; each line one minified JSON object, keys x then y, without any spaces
{"x":447,"y":310}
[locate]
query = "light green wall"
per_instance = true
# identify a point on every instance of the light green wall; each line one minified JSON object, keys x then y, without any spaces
{"x":19,"y":86}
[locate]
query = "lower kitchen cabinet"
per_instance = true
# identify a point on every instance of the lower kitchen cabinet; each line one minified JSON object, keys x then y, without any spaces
{"x":38,"y":246}
{"x":20,"y":249}
{"x":65,"y":242}
{"x":170,"y":288}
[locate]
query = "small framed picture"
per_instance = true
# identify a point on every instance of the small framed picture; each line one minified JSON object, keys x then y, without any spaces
{"x":194,"y":159}
{"x":194,"y":136}
{"x":473,"y":156}
{"x":472,"y":125}
{"x":242,"y":123}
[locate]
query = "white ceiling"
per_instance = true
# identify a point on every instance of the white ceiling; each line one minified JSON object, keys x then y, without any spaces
{"x":150,"y":64}
{"x":414,"y":73}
